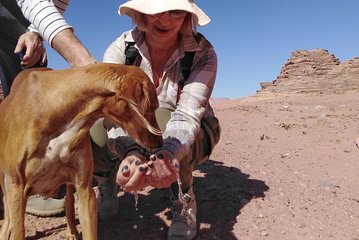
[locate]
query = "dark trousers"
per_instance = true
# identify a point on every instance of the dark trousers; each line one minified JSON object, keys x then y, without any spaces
{"x":105,"y":164}
{"x":12,"y":26}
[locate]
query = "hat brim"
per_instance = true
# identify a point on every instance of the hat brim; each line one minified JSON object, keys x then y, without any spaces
{"x":148,"y":7}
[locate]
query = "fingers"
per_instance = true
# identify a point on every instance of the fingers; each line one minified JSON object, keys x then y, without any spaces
{"x":34,"y":56}
{"x":31,"y":50}
{"x":43,"y":58}
{"x":164,"y":169}
{"x":130,"y":174}
{"x":20,"y":45}
{"x":160,"y":171}
{"x":165,"y":163}
{"x":124,"y":171}
{"x":133,"y":183}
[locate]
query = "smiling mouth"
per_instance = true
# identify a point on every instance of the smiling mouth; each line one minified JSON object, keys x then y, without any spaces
{"x":162,"y":30}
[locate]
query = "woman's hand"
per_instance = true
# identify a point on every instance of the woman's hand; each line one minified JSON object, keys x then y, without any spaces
{"x":35,"y":50}
{"x":131,"y":173}
{"x":136,"y":173}
{"x":163,"y":169}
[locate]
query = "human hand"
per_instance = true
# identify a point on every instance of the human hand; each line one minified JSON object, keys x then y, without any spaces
{"x":35,"y":50}
{"x":131,"y":173}
{"x":163,"y":169}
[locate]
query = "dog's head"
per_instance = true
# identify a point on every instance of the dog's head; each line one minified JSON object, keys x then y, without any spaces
{"x":133,"y":105}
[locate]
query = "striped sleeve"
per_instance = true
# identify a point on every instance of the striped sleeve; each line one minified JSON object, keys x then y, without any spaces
{"x":46,"y":17}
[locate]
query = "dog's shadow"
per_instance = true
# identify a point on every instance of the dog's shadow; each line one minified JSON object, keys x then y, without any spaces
{"x":221,"y":192}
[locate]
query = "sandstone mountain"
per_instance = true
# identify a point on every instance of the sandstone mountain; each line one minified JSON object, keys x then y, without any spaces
{"x":314,"y":71}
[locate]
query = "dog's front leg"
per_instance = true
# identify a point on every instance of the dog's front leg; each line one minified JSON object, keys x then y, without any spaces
{"x":87,"y":208}
{"x":87,"y":212}
{"x":72,"y":232}
{"x":5,"y":228}
{"x":15,"y":215}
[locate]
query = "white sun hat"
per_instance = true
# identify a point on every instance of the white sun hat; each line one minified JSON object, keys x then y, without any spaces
{"x":158,"y":6}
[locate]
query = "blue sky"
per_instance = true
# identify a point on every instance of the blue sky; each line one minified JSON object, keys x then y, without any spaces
{"x":252,"y":38}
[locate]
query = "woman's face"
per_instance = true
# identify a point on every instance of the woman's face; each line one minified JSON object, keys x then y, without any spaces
{"x":164,"y":27}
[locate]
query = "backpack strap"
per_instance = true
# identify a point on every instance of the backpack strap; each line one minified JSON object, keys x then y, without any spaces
{"x":131,"y":53}
{"x":186,"y":64}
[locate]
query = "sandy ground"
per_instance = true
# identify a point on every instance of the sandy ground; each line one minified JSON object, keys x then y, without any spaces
{"x":285,"y":168}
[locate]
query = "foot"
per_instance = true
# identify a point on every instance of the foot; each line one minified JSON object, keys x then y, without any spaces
{"x":108,"y":204}
{"x":183,"y":224}
{"x":44,"y":207}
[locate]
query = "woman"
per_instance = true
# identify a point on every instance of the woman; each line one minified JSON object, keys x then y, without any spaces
{"x":165,"y":31}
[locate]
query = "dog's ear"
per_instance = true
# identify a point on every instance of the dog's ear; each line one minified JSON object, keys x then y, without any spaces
{"x":137,"y":85}
{"x":127,"y":114}
{"x":115,"y":108}
{"x":149,"y":95}
{"x":112,"y":87}
{"x":139,"y":117}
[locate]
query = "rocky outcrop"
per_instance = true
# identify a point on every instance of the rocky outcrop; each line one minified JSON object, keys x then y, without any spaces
{"x":314,"y":71}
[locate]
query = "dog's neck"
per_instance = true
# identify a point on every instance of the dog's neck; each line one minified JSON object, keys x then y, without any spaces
{"x":71,"y":115}
{"x":80,"y":101}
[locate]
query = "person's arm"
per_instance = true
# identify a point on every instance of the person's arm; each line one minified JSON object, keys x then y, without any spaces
{"x":185,"y":123}
{"x":46,"y":19}
{"x":70,"y":48}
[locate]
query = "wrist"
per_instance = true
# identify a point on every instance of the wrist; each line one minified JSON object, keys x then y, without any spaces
{"x":138,"y":152}
{"x":34,"y":31}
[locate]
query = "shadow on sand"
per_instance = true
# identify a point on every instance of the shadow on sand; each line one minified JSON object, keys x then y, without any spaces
{"x":220,"y":194}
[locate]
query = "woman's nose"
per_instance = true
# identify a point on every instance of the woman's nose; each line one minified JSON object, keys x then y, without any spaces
{"x":163,"y":16}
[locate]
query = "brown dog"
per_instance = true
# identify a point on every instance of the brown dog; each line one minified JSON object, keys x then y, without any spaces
{"x":44,"y":135}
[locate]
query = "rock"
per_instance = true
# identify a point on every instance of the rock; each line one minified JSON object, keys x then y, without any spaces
{"x":314,"y":71}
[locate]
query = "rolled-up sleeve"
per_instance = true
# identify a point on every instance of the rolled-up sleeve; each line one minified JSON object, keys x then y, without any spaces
{"x":46,"y":17}
{"x":185,"y":121}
